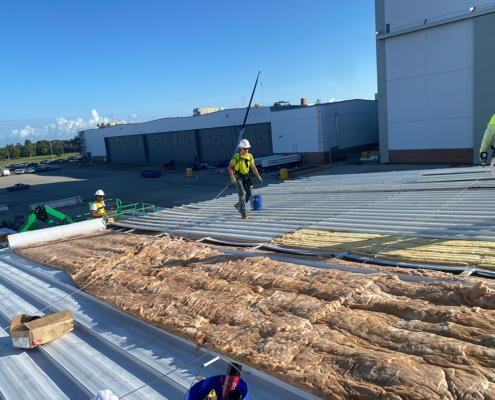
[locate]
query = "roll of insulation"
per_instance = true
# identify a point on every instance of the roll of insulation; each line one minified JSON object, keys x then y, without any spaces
{"x":56,"y":233}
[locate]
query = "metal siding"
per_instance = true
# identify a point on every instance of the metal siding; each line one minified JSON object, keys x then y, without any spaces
{"x":430,"y":77}
{"x":484,"y":78}
{"x":185,"y":147}
{"x":413,"y":13}
{"x":381,"y":71}
{"x":218,"y":144}
{"x":159,"y":147}
{"x":126,"y":149}
{"x":357,"y":129}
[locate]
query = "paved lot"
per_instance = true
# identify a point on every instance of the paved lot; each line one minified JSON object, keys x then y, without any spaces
{"x":124,"y":181}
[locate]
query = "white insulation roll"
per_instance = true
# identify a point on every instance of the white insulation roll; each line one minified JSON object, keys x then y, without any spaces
{"x":56,"y":233}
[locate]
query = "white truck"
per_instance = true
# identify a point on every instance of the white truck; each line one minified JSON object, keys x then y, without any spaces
{"x":4,"y":172}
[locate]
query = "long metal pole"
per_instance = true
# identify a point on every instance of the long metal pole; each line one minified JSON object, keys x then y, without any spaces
{"x":247,"y":112}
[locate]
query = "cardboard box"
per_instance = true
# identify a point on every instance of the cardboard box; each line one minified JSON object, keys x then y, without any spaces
{"x":29,"y":331}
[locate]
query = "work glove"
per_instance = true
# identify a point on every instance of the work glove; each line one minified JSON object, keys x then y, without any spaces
{"x":483,"y":157}
{"x":232,"y":178}
{"x":261,"y":180}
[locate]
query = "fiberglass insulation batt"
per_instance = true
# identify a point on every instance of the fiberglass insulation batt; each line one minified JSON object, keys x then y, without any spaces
{"x":341,"y":336}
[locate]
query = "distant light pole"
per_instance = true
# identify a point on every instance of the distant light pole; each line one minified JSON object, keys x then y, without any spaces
{"x":51,"y":150}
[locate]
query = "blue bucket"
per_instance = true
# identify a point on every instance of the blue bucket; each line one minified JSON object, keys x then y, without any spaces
{"x":202,"y":388}
{"x":256,"y":203}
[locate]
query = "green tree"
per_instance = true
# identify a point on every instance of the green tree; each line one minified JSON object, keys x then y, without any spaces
{"x":20,"y":148}
{"x":14,"y":152}
{"x":3,"y":153}
{"x":57,"y":147}
{"x":42,"y":147}
{"x":29,"y":149}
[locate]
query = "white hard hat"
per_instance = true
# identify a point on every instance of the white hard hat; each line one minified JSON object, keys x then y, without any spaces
{"x":99,"y":193}
{"x":244,"y":144}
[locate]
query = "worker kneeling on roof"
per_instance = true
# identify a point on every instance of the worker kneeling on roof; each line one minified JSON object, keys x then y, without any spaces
{"x":239,"y":174}
{"x":487,"y":138}
{"x":98,"y":207}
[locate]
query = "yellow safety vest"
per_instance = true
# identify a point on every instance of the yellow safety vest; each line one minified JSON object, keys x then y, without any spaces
{"x":492,"y":121}
{"x":242,"y":164}
{"x":100,"y":207}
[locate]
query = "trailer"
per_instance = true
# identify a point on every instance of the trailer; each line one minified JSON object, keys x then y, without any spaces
{"x":4,"y":172}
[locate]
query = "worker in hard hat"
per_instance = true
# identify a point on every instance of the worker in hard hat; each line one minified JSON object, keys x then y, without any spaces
{"x":98,"y":206}
{"x":489,"y":133}
{"x":239,"y":174}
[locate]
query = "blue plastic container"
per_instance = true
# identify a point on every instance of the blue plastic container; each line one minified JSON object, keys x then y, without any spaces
{"x":202,"y":388}
{"x":256,"y":203}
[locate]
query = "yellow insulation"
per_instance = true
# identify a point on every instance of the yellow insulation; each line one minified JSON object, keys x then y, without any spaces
{"x":409,"y":249}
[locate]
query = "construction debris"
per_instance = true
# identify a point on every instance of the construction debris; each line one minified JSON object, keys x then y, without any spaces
{"x":336,"y":334}
{"x":410,"y":249}
{"x":30,"y":331}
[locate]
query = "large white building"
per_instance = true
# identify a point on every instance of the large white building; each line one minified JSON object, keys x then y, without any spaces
{"x":313,"y":131}
{"x":436,"y":78}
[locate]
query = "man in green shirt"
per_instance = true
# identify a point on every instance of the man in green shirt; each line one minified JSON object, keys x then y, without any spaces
{"x":489,"y":133}
{"x":239,"y":174}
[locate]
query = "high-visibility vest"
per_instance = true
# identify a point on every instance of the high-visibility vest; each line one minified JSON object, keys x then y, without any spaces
{"x":100,"y":207}
{"x":242,"y":164}
{"x":492,"y":121}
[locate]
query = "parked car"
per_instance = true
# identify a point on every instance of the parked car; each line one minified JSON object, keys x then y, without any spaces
{"x":17,"y":187}
{"x":33,"y":164}
{"x":53,"y":167}
{"x":29,"y":170}
{"x":44,"y":162}
{"x":19,"y":171}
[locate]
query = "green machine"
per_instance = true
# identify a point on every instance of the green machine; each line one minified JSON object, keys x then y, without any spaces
{"x":55,"y":218}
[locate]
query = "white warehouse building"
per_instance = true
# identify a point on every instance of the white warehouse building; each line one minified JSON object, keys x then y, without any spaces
{"x":436,"y":78}
{"x":317,"y":132}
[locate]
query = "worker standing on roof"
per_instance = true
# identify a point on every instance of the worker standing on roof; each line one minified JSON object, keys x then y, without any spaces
{"x":489,"y":133}
{"x":98,"y":207}
{"x":239,"y":174}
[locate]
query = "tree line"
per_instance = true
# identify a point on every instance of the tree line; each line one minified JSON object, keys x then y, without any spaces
{"x":40,"y":148}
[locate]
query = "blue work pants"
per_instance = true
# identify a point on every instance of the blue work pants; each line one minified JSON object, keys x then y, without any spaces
{"x":245,"y":192}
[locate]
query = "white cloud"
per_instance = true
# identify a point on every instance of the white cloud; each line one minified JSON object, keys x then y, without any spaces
{"x":64,"y":128}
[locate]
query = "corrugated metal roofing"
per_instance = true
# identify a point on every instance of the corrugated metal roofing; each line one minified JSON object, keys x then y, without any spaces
{"x":388,"y":203}
{"x":457,"y":174}
{"x":107,"y":349}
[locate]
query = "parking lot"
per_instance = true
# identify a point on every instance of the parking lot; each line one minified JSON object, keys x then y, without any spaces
{"x":124,"y":181}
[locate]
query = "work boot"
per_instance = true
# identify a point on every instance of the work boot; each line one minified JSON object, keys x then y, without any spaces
{"x":236,"y":205}
{"x":244,"y":215}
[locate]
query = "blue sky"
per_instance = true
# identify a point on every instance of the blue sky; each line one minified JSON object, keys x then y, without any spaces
{"x":142,"y":60}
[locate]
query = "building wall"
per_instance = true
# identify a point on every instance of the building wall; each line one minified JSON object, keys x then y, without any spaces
{"x":484,"y":77}
{"x":357,"y":124}
{"x":437,"y":93}
{"x":404,"y":14}
{"x":381,"y":68}
{"x":94,"y":142}
{"x":160,"y":147}
{"x":307,"y":130}
{"x":294,"y":130}
{"x":430,"y":88}
{"x":129,"y":149}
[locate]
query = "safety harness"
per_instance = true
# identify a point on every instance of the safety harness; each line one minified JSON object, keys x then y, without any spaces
{"x":244,"y":178}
